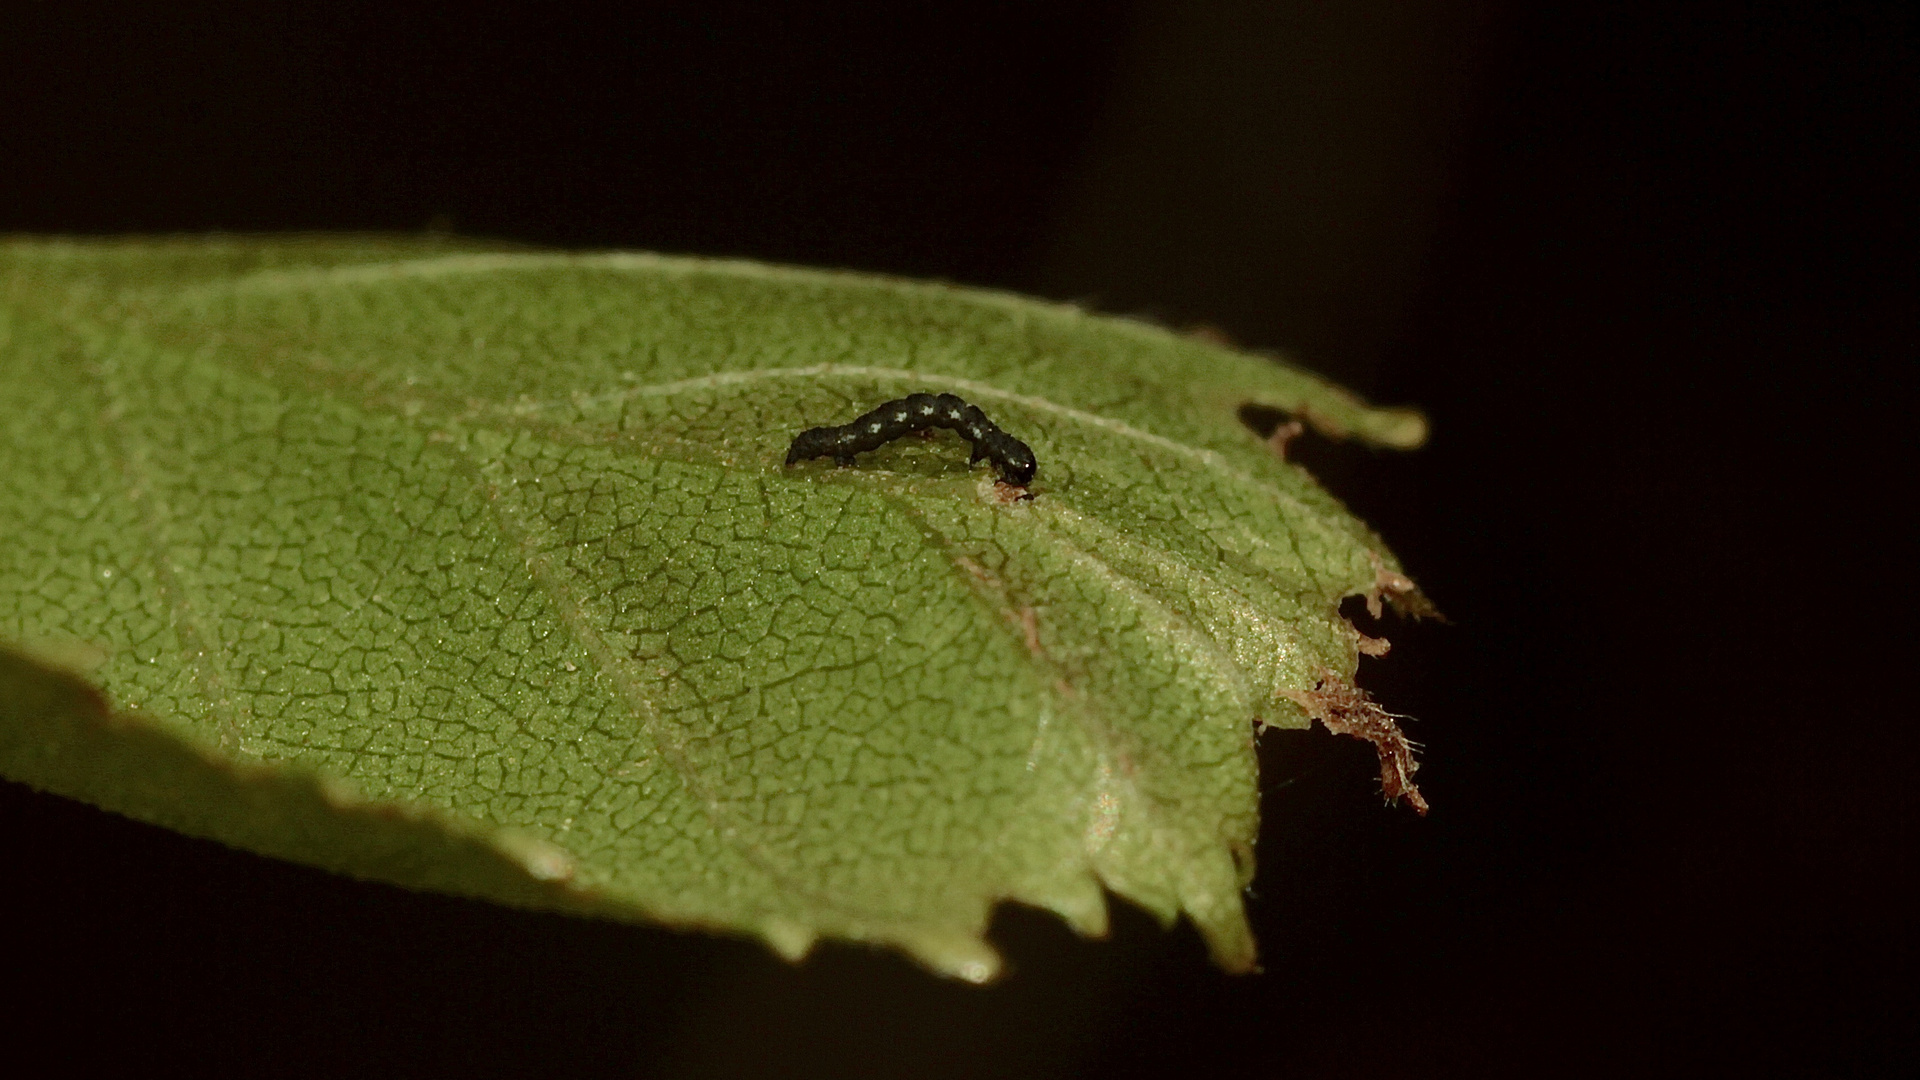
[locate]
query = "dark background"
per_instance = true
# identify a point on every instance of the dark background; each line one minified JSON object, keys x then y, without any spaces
{"x":1649,"y":270}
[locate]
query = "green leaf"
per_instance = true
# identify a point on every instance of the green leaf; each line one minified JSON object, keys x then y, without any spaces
{"x":480,"y":571}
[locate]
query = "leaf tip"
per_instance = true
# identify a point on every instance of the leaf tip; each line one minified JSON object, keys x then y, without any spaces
{"x":1402,"y":428}
{"x":788,"y":938}
{"x":1082,"y":904}
{"x":966,"y":957}
{"x":541,"y":860}
{"x":1211,"y":897}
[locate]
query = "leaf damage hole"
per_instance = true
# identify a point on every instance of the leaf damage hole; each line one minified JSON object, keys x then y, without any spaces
{"x":1273,"y":425}
{"x":1346,"y":709}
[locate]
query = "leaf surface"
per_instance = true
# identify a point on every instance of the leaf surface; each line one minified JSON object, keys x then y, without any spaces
{"x":479,"y":570}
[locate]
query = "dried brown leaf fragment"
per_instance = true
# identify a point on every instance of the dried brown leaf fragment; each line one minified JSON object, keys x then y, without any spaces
{"x":1346,"y":709}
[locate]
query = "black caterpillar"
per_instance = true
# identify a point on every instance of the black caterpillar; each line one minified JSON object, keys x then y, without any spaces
{"x":918,"y":412}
